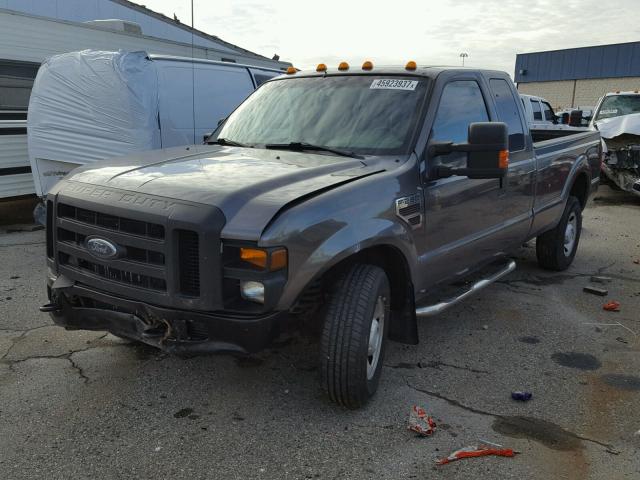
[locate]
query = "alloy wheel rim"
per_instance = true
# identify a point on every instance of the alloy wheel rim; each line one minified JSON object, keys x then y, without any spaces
{"x":376,"y":336}
{"x":570,"y":232}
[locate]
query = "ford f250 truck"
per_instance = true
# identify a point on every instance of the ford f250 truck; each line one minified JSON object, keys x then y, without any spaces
{"x":363,"y":195}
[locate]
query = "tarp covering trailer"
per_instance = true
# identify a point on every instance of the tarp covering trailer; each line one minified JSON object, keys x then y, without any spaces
{"x":91,"y":105}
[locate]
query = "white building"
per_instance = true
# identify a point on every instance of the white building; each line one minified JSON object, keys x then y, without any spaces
{"x":32,"y":30}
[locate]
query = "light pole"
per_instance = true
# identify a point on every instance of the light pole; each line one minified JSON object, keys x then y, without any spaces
{"x":463,"y":55}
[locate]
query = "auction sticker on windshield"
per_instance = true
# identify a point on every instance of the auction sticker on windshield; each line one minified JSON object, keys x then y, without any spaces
{"x":393,"y":84}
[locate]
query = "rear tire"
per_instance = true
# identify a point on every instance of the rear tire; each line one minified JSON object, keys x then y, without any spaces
{"x":354,"y":335}
{"x":556,"y":248}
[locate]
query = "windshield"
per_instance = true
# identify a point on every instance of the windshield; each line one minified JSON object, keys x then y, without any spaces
{"x":360,"y":114}
{"x":615,"y":106}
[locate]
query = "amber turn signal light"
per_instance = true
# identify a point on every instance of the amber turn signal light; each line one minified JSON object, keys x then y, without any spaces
{"x":278,"y":259}
{"x":260,"y":258}
{"x":254,"y":256}
{"x":503,"y":159}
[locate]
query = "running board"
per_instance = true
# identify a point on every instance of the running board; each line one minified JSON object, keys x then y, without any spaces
{"x":435,"y":309}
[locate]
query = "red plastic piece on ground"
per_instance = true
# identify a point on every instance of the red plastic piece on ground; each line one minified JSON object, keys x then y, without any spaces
{"x":612,"y":306}
{"x":475,"y":451}
{"x":420,"y":422}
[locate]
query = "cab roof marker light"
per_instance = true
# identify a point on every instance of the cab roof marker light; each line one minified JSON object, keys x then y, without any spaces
{"x":411,"y":65}
{"x":291,"y":70}
{"x":321,"y":67}
{"x":343,"y":66}
{"x":367,"y":65}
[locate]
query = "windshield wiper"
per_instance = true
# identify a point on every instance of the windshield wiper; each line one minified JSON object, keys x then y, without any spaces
{"x":299,"y":146}
{"x":226,"y":141}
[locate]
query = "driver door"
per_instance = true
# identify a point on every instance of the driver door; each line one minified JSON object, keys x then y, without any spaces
{"x":460,"y":213}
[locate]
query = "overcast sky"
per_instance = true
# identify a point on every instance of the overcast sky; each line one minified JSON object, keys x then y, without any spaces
{"x":431,"y":32}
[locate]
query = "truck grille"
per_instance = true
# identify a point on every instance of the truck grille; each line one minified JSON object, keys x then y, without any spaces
{"x":143,"y":249}
{"x":188,"y":253}
{"x":114,"y":274}
{"x":111,"y":222}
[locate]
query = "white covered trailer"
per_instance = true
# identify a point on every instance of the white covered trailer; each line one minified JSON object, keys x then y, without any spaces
{"x":15,"y":171}
{"x":91,"y":105}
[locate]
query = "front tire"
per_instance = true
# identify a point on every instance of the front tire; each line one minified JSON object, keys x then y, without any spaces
{"x":556,"y":248}
{"x":354,"y":335}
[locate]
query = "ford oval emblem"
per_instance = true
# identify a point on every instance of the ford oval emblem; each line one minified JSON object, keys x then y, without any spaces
{"x":102,"y":248}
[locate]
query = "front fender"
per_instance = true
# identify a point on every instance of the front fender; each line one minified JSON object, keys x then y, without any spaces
{"x":305,"y":267}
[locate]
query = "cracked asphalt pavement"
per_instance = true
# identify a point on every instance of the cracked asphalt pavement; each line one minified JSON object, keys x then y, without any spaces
{"x":89,"y":405}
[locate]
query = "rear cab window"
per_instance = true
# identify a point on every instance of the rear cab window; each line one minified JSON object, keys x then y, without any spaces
{"x":507,"y":109}
{"x":537,"y":111}
{"x":548,"y":112}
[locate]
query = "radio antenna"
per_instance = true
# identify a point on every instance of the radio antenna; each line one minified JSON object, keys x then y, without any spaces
{"x":193,"y":78}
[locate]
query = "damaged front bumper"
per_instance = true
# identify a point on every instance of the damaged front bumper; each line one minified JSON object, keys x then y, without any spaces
{"x":77,"y":307}
{"x":626,"y":179}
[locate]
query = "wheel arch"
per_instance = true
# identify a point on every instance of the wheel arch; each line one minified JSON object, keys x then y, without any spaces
{"x":403,"y":327}
{"x":580,"y":188}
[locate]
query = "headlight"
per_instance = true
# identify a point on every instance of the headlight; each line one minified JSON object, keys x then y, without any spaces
{"x":252,"y":291}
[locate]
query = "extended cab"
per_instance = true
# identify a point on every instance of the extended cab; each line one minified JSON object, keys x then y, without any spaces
{"x":354,"y":198}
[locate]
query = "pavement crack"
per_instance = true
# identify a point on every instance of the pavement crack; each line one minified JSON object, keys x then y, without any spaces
{"x":452,"y":401}
{"x":21,"y":244}
{"x":435,"y":364}
{"x":609,"y":448}
{"x":66,"y":356}
{"x":77,"y":368}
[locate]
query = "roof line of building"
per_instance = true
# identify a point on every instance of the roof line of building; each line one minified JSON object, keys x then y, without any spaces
{"x":171,"y":21}
{"x":580,"y":48}
{"x":206,"y":48}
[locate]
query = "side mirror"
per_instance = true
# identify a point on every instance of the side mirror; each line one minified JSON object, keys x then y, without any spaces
{"x":575,"y":118}
{"x":487,"y":150}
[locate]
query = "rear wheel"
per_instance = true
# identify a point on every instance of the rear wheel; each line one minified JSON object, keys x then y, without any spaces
{"x":354,"y":334}
{"x":556,"y":248}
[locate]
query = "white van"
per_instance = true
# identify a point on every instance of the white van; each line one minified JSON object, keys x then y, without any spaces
{"x":91,"y":105}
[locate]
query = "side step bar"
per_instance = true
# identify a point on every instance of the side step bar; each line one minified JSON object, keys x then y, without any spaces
{"x":430,"y":310}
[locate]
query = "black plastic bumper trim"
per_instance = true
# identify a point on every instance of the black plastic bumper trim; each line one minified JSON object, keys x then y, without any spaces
{"x":167,"y":329}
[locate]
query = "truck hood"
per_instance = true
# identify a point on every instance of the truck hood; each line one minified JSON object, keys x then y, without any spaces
{"x":616,"y":126}
{"x":249,"y":185}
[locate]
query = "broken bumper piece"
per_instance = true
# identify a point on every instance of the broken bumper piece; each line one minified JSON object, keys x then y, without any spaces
{"x":174,"y":331}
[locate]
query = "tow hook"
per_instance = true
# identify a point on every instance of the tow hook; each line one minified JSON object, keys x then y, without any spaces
{"x":50,"y":307}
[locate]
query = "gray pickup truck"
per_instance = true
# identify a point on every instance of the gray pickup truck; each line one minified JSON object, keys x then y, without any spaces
{"x":354,"y":200}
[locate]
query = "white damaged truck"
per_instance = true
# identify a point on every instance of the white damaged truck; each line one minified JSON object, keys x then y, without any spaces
{"x":617,"y":117}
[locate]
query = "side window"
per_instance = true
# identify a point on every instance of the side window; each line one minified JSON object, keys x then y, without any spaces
{"x":548,"y":112}
{"x":461,"y":104}
{"x":537,"y":112}
{"x":508,"y":112}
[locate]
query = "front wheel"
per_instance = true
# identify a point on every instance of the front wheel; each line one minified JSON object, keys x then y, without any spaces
{"x":354,"y":334}
{"x":556,"y":248}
